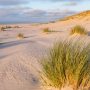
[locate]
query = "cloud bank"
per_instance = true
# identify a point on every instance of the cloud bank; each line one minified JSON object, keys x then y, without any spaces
{"x":25,"y":14}
{"x":13,"y":11}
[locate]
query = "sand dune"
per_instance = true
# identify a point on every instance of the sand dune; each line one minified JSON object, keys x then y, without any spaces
{"x":19,"y":57}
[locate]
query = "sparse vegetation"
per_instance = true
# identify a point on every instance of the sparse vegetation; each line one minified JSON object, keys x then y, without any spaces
{"x":16,"y":27}
{"x":47,"y":30}
{"x":67,"y":64}
{"x":2,"y":28}
{"x":78,"y":30}
{"x":20,"y":36}
{"x":8,"y":27}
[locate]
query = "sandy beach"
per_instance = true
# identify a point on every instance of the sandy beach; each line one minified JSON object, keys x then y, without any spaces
{"x":19,"y":57}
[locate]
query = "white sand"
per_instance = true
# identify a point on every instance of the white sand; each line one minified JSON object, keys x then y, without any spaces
{"x":18,"y":58}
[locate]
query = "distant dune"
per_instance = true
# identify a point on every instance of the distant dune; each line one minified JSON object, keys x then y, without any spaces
{"x":79,"y":16}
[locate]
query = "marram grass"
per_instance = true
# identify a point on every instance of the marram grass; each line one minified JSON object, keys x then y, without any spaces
{"x":2,"y":28}
{"x":20,"y":36}
{"x":78,"y":30}
{"x":68,"y":63}
{"x":46,"y":30}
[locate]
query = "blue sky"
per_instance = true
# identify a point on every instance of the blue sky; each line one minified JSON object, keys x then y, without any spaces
{"x":24,"y":11}
{"x":78,"y":5}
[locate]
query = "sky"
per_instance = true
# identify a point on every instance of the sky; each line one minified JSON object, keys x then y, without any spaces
{"x":33,"y":11}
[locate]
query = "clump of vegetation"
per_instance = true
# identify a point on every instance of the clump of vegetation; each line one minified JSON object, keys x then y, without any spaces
{"x":16,"y":27}
{"x":78,"y":30}
{"x":67,"y":64}
{"x":20,"y":36}
{"x":47,"y":30}
{"x":2,"y":29}
{"x":8,"y":27}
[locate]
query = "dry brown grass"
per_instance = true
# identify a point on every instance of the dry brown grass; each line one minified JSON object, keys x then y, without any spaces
{"x":78,"y":30}
{"x":20,"y":36}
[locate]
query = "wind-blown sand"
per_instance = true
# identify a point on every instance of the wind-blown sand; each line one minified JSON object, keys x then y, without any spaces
{"x":19,"y":58}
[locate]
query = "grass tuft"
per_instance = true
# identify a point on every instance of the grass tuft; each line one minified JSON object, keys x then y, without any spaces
{"x":47,"y":30}
{"x":2,"y":29}
{"x":68,"y":63}
{"x":20,"y":36}
{"x":78,"y":30}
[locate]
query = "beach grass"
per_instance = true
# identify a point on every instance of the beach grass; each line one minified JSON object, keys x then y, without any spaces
{"x":20,"y":36}
{"x":2,"y":28}
{"x":67,"y":64}
{"x":47,"y":30}
{"x":78,"y":30}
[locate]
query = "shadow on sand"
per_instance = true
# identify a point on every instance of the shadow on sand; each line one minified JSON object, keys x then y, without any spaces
{"x":88,"y":33}
{"x":14,"y":43}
